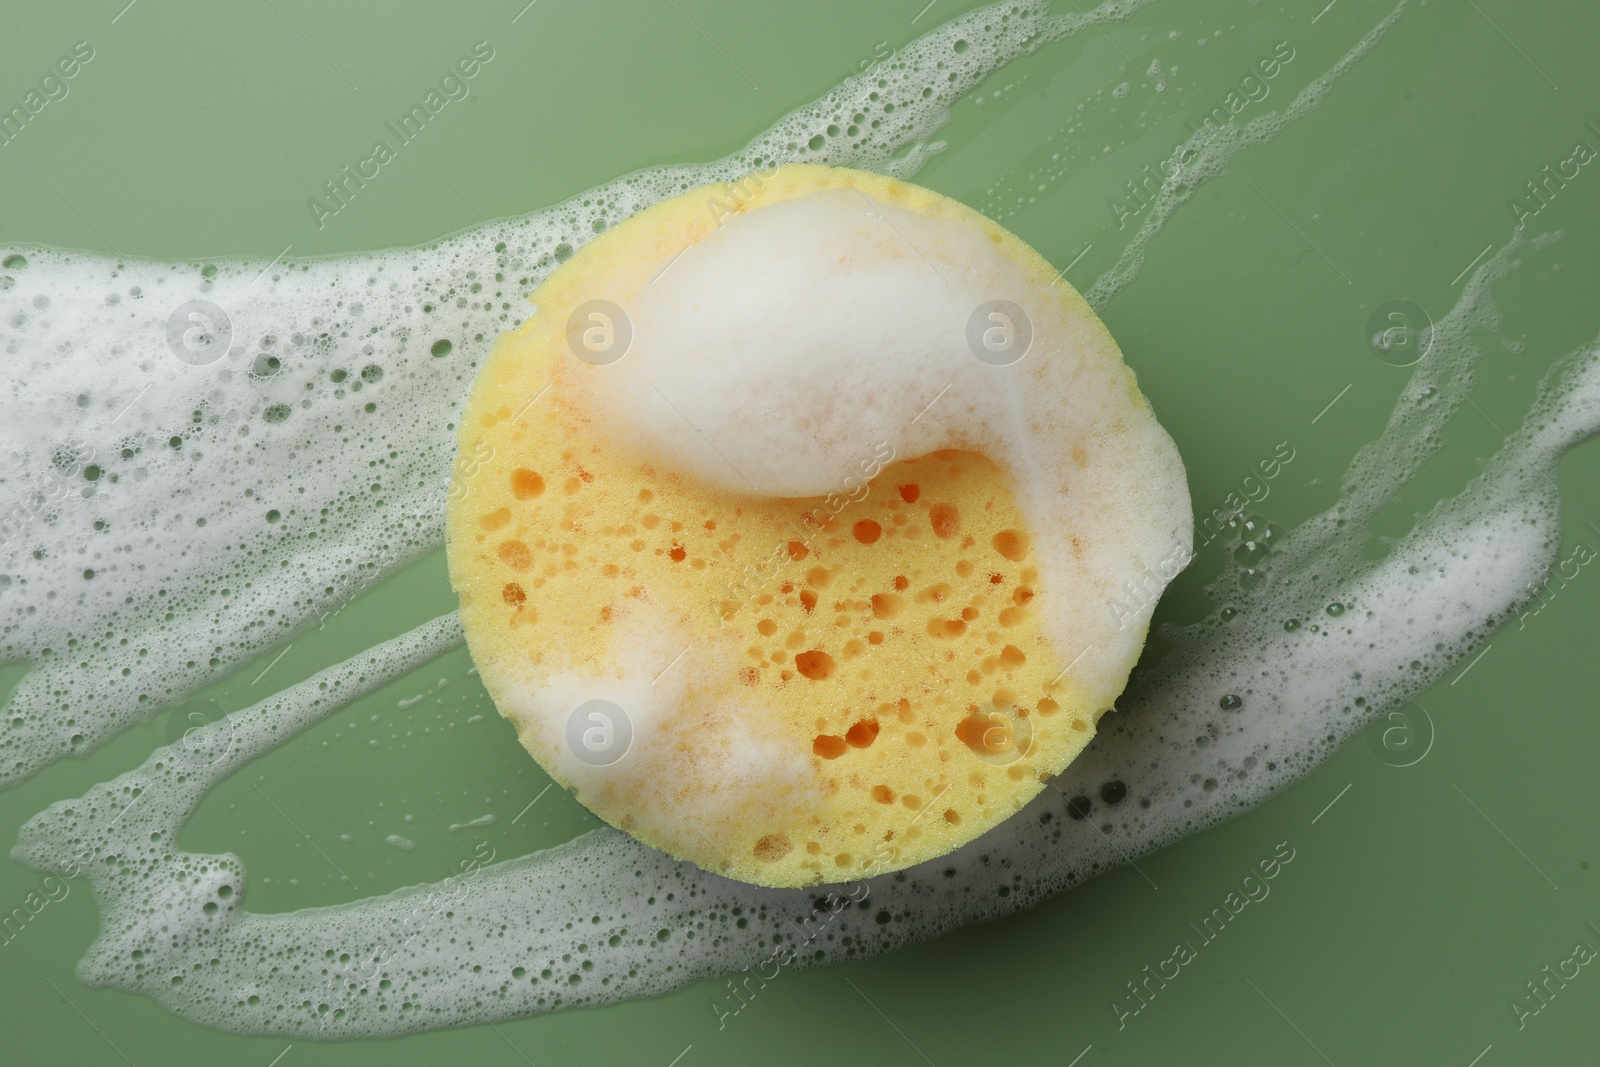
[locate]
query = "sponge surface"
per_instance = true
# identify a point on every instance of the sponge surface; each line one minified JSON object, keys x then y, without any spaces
{"x":809,"y":525}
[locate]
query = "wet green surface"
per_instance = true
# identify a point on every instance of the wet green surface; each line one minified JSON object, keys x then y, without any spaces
{"x":1416,"y":907}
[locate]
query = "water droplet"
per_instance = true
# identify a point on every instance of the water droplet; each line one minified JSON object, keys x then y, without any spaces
{"x":1230,"y":703}
{"x":1291,"y":625}
{"x":1250,"y":554}
{"x":1336,"y":609}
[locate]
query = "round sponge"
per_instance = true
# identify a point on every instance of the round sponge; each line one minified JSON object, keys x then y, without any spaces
{"x":809,"y":525}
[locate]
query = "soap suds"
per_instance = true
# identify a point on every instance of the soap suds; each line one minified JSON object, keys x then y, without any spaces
{"x":1236,"y":711}
{"x":203,"y":458}
{"x":604,"y":918}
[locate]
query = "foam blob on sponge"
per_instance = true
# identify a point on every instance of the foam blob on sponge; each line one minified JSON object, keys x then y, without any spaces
{"x":809,"y":525}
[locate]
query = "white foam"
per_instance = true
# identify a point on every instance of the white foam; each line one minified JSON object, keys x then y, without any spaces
{"x":234,"y":502}
{"x":778,"y":354}
{"x":603,"y":918}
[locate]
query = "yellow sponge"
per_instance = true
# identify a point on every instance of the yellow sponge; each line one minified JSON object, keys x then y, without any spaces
{"x":787,"y":688}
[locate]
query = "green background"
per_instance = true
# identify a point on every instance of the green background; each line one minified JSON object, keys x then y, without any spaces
{"x":1407,"y":920}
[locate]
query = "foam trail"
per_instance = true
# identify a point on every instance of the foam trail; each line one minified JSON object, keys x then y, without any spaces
{"x":521,"y":936}
{"x":179,"y":494}
{"x":514,"y":938}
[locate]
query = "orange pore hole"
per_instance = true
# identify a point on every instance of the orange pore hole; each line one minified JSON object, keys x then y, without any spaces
{"x":984,"y":734}
{"x":862,"y":733}
{"x":829,"y":746}
{"x":946,"y":519}
{"x":815,"y":664}
{"x":772,"y":847}
{"x":1011,"y":544}
{"x":516,"y":555}
{"x":526,"y":484}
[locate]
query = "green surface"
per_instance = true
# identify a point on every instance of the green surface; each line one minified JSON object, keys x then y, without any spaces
{"x":1407,"y":920}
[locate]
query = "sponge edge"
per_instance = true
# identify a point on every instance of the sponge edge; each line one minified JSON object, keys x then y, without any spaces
{"x":797,"y":562}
